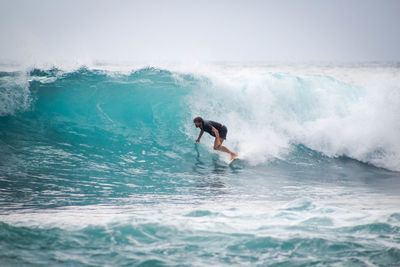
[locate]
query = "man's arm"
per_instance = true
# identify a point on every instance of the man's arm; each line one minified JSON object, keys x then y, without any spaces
{"x":215,"y":132}
{"x":216,"y":136}
{"x":198,"y":139}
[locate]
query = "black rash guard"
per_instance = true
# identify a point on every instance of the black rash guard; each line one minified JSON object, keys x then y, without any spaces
{"x":207,"y":127}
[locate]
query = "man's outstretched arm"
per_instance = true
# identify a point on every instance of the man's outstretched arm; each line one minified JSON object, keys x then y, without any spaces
{"x":200,"y":135}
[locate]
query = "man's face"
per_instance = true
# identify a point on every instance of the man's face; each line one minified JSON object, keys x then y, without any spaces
{"x":198,"y":124}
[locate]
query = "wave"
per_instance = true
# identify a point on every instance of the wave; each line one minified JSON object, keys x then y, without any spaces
{"x":340,"y":112}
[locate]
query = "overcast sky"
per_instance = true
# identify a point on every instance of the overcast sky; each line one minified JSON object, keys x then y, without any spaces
{"x":281,"y":30}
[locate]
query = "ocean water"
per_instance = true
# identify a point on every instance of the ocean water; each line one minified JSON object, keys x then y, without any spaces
{"x":98,"y":166}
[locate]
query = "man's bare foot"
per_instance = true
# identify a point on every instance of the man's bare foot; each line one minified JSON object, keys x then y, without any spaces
{"x":234,"y":156}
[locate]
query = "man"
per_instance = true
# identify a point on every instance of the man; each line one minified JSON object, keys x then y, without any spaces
{"x":217,"y":130}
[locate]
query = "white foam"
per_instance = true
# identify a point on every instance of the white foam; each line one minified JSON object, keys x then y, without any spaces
{"x":352,"y":111}
{"x":14,"y":94}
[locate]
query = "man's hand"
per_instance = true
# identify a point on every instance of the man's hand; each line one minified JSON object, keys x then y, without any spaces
{"x":198,"y":138}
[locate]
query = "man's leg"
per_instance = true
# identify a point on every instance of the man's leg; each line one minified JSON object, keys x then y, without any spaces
{"x":218,"y":146}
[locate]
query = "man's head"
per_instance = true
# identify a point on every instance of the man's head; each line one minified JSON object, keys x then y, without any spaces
{"x":198,"y":121}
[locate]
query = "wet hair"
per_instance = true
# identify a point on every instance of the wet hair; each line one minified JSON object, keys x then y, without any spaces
{"x":198,"y":119}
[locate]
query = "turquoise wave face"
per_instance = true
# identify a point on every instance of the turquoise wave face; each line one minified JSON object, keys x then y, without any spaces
{"x":101,"y":166}
{"x":126,"y":130}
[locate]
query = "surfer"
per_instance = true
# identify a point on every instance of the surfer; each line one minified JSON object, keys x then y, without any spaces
{"x":215,"y":129}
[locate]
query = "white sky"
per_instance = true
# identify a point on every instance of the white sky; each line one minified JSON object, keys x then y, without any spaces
{"x":281,"y":30}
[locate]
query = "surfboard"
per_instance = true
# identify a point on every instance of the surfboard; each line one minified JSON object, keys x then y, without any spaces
{"x":233,"y":160}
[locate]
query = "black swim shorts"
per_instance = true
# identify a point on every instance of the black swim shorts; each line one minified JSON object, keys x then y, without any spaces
{"x":223,"y":132}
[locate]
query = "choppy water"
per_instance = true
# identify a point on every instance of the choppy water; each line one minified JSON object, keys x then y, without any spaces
{"x":99,"y":167}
